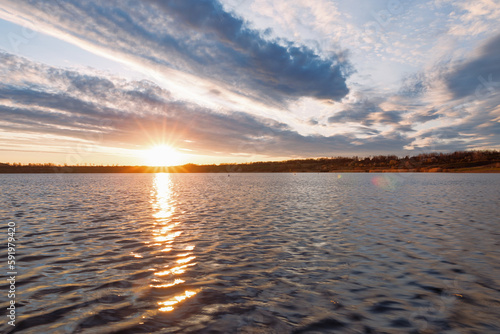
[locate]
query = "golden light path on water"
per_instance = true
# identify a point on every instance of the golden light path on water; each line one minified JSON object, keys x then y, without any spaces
{"x":164,"y":235}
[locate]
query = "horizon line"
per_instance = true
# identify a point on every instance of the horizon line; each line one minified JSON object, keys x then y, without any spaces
{"x":50,"y":164}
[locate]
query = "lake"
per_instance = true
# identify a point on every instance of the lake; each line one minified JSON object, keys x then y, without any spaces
{"x":254,"y":253}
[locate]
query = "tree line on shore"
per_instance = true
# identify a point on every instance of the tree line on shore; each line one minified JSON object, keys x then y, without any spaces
{"x":485,"y":160}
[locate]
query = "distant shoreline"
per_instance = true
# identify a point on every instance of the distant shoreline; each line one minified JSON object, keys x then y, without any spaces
{"x":169,"y":170}
{"x":457,"y":162}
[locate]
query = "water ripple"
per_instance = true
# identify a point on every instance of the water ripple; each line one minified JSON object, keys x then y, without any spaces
{"x":255,"y":253}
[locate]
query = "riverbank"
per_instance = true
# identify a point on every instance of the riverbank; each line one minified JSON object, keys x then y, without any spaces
{"x":457,"y":162}
{"x":490,"y":168}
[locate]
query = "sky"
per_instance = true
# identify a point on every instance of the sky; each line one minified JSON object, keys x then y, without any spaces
{"x":222,"y":81}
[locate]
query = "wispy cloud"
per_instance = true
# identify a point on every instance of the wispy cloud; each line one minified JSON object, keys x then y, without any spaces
{"x":464,"y":95}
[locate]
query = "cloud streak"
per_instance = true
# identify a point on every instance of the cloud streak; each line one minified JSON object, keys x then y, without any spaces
{"x":198,"y":38}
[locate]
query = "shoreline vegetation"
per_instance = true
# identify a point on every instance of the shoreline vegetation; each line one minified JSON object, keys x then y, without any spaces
{"x":457,"y":162}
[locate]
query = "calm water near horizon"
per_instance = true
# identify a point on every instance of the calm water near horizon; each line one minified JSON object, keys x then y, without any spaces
{"x":254,"y":253}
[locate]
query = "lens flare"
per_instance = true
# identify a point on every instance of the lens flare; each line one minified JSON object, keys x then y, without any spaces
{"x":386,"y":182}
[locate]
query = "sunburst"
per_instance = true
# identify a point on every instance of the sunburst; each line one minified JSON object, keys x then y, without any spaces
{"x":162,"y":155}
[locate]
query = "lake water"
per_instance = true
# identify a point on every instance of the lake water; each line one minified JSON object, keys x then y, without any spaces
{"x":254,"y":253}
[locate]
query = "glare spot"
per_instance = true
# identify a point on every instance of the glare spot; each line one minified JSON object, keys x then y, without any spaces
{"x":168,"y":305}
{"x":177,"y":281}
{"x":186,"y":260}
{"x":166,"y":309}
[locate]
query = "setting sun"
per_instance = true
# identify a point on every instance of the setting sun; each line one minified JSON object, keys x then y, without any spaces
{"x":162,"y":155}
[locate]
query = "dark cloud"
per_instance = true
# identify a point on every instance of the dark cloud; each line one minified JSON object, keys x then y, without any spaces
{"x":404,"y":128}
{"x":388,"y":117}
{"x":359,"y":112}
{"x":425,"y":116}
{"x":281,"y":67}
{"x":368,"y":131}
{"x":366,"y":112}
{"x":479,"y":76}
{"x":312,"y":121}
{"x":200,"y":38}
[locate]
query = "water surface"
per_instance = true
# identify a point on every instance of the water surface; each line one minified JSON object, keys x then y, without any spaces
{"x":254,"y":253}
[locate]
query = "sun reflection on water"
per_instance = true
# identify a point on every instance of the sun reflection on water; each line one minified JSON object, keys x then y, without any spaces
{"x":163,"y":206}
{"x":169,"y":237}
{"x":168,"y":305}
{"x":168,"y":285}
{"x":165,"y":232}
{"x":162,"y":197}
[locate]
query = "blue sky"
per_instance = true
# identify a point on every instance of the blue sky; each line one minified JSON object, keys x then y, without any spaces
{"x":246,"y":80}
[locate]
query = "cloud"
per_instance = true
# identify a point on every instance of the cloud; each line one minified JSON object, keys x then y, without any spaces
{"x":463,"y":119}
{"x":135,"y":114}
{"x":425,"y":116}
{"x":453,"y":105}
{"x":366,"y":112}
{"x":414,"y":85}
{"x":478,"y":76}
{"x":359,"y":112}
{"x":198,"y":38}
{"x":476,"y":131}
{"x":388,"y":117}
{"x":472,"y":18}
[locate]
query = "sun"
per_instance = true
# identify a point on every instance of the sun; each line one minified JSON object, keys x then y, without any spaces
{"x":162,"y":155}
